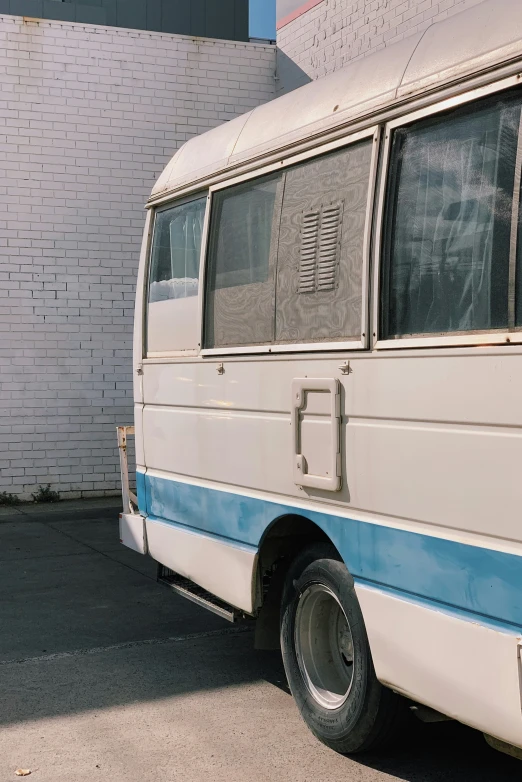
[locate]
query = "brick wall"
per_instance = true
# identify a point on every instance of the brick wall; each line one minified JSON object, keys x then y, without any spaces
{"x":89,"y":116}
{"x":335,"y":32}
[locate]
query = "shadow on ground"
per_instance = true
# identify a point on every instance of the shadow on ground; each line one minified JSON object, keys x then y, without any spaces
{"x":89,"y":636}
{"x":444,"y":752}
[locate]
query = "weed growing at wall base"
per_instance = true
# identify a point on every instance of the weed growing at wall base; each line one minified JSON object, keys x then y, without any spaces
{"x":8,"y":499}
{"x":46,"y":494}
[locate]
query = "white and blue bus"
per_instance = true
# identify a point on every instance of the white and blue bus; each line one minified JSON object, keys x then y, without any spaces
{"x":328,"y":381}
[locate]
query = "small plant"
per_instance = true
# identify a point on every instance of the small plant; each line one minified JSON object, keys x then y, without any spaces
{"x":46,"y":494}
{"x":9,"y":499}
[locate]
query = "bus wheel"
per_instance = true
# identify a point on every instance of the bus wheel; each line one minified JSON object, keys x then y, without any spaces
{"x":327,"y":657}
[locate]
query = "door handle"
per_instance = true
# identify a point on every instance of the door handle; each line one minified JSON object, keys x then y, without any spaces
{"x":331,"y":479}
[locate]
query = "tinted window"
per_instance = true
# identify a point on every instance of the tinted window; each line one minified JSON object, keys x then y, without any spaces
{"x":241,"y":269}
{"x":286,"y":254}
{"x":176,"y":250}
{"x":173,"y":305}
{"x":447,"y":251}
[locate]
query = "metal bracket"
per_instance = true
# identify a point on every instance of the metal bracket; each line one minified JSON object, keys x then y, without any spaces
{"x":186,"y":588}
{"x":130,"y":501}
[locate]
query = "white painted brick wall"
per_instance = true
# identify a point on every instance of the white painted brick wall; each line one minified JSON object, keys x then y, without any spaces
{"x":335,"y":32}
{"x":89,"y":116}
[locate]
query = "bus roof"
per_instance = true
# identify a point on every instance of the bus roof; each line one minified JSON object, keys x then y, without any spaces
{"x":487,"y":34}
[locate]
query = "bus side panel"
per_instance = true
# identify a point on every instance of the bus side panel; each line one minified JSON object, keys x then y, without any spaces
{"x":424,"y":439}
{"x":447,"y":475}
{"x":219,"y":566}
{"x":469,"y":671}
{"x":138,"y":436}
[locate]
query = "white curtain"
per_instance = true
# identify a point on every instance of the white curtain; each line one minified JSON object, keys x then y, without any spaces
{"x":452,"y":221}
{"x":176,"y":252}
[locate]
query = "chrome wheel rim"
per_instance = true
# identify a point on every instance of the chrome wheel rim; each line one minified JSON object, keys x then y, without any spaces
{"x":324,"y":646}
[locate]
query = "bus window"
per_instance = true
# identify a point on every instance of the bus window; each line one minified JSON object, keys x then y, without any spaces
{"x":321,"y":245}
{"x":449,"y":211}
{"x":172,"y":317}
{"x":286,"y":254}
{"x":241,"y":269}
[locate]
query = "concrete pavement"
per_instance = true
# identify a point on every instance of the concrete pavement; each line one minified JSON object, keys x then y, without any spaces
{"x":107,"y":675}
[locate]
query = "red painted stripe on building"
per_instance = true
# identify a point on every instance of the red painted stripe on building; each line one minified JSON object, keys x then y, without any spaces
{"x":298,"y":12}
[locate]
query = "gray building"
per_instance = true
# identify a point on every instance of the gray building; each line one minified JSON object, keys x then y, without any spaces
{"x":227,"y":19}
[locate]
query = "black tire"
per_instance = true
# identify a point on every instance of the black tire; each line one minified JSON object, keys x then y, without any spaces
{"x":370,"y":715}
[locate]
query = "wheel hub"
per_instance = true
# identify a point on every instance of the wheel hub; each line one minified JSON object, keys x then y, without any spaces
{"x":324,"y":646}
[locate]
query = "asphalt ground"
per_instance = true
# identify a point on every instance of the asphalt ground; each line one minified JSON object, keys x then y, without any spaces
{"x":106,"y":675}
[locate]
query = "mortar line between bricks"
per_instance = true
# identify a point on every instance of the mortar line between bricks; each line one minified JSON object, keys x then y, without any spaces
{"x":129,"y":645}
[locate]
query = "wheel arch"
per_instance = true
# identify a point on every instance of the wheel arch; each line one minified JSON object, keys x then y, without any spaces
{"x":282,"y":540}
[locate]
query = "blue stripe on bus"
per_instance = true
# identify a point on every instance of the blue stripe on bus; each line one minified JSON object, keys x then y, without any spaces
{"x":476,"y":580}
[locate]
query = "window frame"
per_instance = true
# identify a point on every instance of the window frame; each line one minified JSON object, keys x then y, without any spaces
{"x":363,"y":343}
{"x":196,"y":196}
{"x":464,"y":339}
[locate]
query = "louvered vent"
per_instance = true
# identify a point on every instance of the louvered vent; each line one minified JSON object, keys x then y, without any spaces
{"x":319,"y":259}
{"x":308,"y":259}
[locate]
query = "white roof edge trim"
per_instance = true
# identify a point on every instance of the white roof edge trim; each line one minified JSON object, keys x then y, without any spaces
{"x":294,"y":117}
{"x":469,"y":43}
{"x":383,"y":114}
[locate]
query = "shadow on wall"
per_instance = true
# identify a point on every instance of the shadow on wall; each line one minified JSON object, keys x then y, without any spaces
{"x":289,"y":75}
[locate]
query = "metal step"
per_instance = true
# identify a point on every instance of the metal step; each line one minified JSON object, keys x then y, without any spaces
{"x":183,"y":586}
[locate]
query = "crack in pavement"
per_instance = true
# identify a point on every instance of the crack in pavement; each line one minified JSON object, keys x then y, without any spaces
{"x":129,"y":645}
